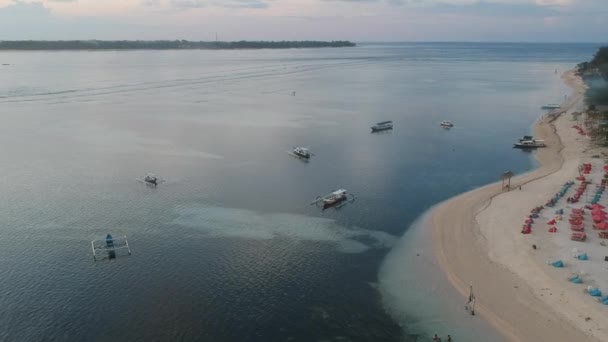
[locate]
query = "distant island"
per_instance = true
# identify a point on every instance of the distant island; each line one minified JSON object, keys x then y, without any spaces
{"x":164,"y":44}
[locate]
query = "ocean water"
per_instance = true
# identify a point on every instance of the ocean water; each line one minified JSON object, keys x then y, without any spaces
{"x":228,"y":248}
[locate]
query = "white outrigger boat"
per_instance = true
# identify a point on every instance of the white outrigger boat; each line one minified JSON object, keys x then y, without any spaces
{"x":446,"y":124}
{"x":335,"y":199}
{"x":151,"y":179}
{"x":382,"y":126}
{"x":110,"y":245}
{"x":301,"y":152}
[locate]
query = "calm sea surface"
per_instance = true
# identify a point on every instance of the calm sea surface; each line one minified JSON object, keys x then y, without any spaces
{"x":228,"y":248}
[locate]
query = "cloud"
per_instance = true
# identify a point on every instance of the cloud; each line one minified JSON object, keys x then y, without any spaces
{"x":242,"y":4}
{"x":151,"y":3}
{"x":498,"y":8}
{"x":23,"y":20}
{"x":188,"y":3}
{"x":20,"y":10}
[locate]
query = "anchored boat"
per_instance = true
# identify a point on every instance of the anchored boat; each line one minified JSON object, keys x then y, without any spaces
{"x":526,"y":144}
{"x":301,"y":152}
{"x":382,"y":126}
{"x":335,"y":199}
{"x":151,"y":179}
{"x":446,"y":124}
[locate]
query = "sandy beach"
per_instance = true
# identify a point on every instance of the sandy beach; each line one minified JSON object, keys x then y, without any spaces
{"x":477,"y":239}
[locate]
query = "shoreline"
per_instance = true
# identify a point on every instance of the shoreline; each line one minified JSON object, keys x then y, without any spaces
{"x":465,"y":246}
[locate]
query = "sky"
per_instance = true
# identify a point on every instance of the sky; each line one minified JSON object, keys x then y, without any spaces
{"x":356,"y":20}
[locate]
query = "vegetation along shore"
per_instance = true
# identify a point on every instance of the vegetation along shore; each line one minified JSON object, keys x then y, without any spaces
{"x":165,"y":44}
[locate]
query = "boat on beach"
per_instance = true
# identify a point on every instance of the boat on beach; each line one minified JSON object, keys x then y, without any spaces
{"x":382,"y":126}
{"x":335,"y":199}
{"x":446,"y":124}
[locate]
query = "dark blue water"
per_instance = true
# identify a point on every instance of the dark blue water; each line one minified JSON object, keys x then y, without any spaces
{"x":228,"y":249}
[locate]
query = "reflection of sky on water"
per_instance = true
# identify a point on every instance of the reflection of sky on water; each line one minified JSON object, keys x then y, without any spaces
{"x":230,"y":239}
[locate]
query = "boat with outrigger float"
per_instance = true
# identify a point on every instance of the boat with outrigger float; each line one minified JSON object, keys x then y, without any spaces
{"x":382,"y":126}
{"x":110,"y":246}
{"x":335,"y":199}
{"x":301,"y":152}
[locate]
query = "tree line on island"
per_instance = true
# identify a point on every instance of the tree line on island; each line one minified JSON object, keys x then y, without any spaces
{"x":165,"y":44}
{"x":595,"y":74}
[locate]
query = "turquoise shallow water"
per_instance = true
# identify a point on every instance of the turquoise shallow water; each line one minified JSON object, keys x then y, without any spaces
{"x":228,"y":248}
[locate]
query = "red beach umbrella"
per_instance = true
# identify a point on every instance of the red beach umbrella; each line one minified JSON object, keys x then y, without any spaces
{"x":598,"y":218}
{"x":552,"y":230}
{"x":605,"y":167}
{"x":551,"y":222}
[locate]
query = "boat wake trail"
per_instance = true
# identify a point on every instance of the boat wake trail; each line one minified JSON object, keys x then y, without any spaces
{"x":218,"y":222}
{"x":213,"y":77}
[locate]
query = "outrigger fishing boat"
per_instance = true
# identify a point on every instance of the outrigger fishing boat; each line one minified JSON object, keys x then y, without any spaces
{"x":335,"y":199}
{"x":382,"y":126}
{"x":301,"y":152}
{"x":151,"y":179}
{"x":110,"y":245}
{"x":446,"y":124}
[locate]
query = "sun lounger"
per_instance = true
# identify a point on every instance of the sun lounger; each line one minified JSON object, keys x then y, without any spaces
{"x":578,"y":236}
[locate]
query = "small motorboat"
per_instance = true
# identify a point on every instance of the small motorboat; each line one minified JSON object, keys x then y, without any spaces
{"x":301,"y":152}
{"x":335,"y":199}
{"x":446,"y":124}
{"x":527,"y":144}
{"x":382,"y":126}
{"x":151,"y":179}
